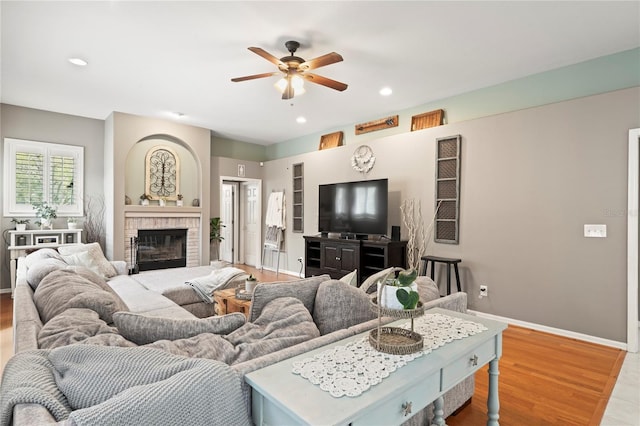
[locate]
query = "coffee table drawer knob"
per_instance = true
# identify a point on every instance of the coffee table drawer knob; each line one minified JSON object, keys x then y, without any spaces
{"x":474,"y":360}
{"x":407,"y":408}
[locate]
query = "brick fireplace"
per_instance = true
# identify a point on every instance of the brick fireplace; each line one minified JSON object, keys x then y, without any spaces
{"x":161,"y":220}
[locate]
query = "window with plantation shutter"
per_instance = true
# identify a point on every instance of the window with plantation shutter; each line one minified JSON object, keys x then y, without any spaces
{"x":37,"y":171}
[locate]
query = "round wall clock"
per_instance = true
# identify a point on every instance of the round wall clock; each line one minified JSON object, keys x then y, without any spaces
{"x":362,"y":159}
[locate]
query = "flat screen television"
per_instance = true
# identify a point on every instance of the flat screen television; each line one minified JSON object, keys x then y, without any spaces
{"x":354,"y":207}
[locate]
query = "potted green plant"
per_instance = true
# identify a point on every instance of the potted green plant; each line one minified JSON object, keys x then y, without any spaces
{"x":21,"y":224}
{"x":215,"y":236}
{"x":250,"y":283}
{"x":179,"y":201}
{"x":400,"y":292}
{"x":144,"y":199}
{"x":45,"y":213}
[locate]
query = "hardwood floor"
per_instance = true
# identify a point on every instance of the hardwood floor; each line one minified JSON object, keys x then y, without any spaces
{"x":544,"y":379}
{"x":547,"y":380}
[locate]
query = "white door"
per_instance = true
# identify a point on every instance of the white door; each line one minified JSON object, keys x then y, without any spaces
{"x":226,"y":216}
{"x":250,"y":223}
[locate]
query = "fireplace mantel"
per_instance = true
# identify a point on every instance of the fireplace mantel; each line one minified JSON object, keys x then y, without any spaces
{"x":157,"y":211}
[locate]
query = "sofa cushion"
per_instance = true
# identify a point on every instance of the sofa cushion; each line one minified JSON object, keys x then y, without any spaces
{"x":65,"y":289}
{"x":339,"y":305}
{"x":38,"y":270}
{"x":303,"y":290}
{"x":90,"y":256}
{"x":143,"y":329}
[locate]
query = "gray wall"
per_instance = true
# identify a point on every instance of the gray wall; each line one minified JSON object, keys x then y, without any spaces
{"x":530,"y":180}
{"x":37,"y":125}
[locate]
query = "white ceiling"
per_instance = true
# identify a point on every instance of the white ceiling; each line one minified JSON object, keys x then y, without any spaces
{"x":153,"y":58}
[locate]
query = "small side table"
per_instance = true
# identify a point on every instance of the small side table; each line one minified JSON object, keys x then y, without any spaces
{"x":227,"y":302}
{"x":448,"y":262}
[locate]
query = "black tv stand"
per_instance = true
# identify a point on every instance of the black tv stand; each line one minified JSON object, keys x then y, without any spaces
{"x":337,"y":257}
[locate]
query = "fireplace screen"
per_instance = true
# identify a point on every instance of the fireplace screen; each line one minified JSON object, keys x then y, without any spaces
{"x":161,"y":248}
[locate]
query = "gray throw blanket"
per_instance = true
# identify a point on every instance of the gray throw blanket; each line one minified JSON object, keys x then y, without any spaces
{"x":283,"y":322}
{"x":205,"y":286}
{"x":96,"y":385}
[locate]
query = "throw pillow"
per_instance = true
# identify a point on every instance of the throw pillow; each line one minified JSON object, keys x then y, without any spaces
{"x":38,"y":270}
{"x":351,"y":278}
{"x":339,"y":305}
{"x":370,"y":284}
{"x":142,"y":329}
{"x":90,"y":256}
{"x":427,"y":289}
{"x":64,"y":289}
{"x":303,"y":290}
{"x":38,"y":255}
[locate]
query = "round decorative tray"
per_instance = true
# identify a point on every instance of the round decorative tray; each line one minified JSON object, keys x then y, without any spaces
{"x":395,"y":340}
{"x":242,"y":294}
{"x":396,"y":313}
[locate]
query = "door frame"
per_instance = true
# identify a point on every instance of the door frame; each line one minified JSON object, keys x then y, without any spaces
{"x":632,"y":240}
{"x":237,"y":236}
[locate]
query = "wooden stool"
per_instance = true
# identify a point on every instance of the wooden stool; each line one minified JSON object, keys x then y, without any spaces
{"x":433,"y":259}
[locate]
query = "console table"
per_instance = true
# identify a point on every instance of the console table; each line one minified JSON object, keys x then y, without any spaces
{"x":281,"y":397}
{"x":22,"y":242}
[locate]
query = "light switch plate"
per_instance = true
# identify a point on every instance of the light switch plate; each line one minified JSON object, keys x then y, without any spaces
{"x":595,"y":231}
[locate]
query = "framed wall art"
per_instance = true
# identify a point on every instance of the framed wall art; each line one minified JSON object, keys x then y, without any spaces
{"x":162,"y":173}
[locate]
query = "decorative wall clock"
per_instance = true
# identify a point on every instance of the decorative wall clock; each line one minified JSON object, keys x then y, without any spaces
{"x":363,"y":159}
{"x":162,"y":177}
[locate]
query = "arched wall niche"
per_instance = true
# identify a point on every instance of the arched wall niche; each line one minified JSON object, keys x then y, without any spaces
{"x":189,"y":170}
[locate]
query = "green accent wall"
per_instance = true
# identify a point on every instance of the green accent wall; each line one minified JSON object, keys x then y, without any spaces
{"x":605,"y":74}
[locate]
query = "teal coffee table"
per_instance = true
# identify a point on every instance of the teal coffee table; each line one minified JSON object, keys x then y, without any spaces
{"x":280,"y":397}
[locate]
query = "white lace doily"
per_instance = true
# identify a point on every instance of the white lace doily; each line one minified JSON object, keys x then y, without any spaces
{"x":352,"y":369}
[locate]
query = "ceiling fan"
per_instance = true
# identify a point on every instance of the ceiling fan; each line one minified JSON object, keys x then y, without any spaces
{"x":295,"y":70}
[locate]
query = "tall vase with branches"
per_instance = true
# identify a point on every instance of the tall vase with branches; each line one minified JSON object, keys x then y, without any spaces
{"x":94,"y":220}
{"x":419,"y":237}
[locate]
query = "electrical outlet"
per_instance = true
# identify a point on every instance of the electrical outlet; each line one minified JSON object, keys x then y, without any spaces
{"x":484,"y":291}
{"x":300,"y":260}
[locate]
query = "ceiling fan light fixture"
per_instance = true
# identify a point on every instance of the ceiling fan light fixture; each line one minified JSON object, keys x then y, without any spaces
{"x":297,"y":83}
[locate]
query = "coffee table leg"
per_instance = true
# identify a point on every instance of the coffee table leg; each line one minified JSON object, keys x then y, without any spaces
{"x":438,"y":412}
{"x":493,"y":402}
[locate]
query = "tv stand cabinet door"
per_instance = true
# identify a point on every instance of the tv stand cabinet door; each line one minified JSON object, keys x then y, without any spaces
{"x":339,"y":259}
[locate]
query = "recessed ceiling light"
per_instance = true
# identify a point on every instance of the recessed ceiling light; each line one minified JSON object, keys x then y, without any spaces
{"x":78,"y":61}
{"x":177,"y":114}
{"x":301,"y":120}
{"x":386,"y":91}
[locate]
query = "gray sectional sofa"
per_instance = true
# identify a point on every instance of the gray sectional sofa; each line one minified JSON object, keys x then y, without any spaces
{"x":93,"y":350}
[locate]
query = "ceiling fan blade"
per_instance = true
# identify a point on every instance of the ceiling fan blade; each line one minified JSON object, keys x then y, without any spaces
{"x":268,"y":56}
{"x":320,"y":61}
{"x":318,"y":79}
{"x":253,"y":77}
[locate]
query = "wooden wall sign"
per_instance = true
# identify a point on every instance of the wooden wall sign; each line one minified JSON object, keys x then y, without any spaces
{"x":372,"y":126}
{"x":426,"y":120}
{"x":331,"y":140}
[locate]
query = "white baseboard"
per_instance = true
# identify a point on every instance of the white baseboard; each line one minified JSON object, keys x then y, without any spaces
{"x":556,"y":331}
{"x":294,"y":274}
{"x":5,"y":290}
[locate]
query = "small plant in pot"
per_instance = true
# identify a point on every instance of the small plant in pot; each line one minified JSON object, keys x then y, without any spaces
{"x":179,"y":201}
{"x":21,"y":224}
{"x":45,"y":213}
{"x":400,"y":292}
{"x":72,"y":222}
{"x":250,"y":283}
